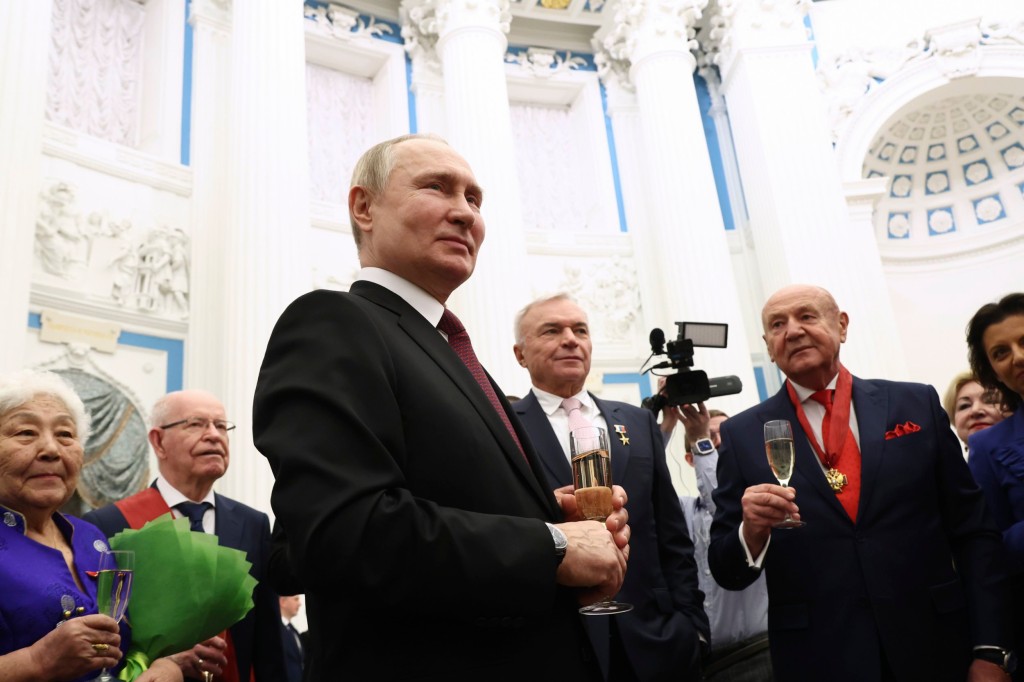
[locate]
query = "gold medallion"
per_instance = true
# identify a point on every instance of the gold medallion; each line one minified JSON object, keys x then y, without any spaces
{"x":836,"y":479}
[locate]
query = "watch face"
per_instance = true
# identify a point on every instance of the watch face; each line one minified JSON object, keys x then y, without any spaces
{"x":705,"y":446}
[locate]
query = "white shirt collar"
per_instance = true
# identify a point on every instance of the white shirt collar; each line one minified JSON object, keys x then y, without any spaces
{"x":804,"y":394}
{"x":172,"y":496}
{"x":425,"y":304}
{"x":549,"y":402}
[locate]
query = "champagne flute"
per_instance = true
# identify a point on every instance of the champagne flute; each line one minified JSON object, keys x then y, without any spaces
{"x":113,"y":588}
{"x":778,"y":444}
{"x":592,"y":481}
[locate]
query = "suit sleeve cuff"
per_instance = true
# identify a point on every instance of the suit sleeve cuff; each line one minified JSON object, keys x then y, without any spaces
{"x":752,"y":562}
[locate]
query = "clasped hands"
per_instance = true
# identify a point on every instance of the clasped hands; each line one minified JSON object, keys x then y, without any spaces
{"x":595,"y":560}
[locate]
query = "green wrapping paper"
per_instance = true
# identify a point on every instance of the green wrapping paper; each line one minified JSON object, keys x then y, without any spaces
{"x":186,"y":589}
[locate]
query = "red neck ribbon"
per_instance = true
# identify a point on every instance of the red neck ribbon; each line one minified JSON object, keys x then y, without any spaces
{"x":838,"y":416}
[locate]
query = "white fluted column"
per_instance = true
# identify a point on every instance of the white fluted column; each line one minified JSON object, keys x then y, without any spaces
{"x":471,"y":44}
{"x":24,"y":50}
{"x":798,"y":210}
{"x":208,"y":304}
{"x":267,"y":212}
{"x":683,"y":235}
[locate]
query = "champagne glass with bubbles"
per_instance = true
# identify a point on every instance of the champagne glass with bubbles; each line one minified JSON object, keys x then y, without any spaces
{"x":113,"y":588}
{"x":778,"y":445}
{"x":592,"y":483}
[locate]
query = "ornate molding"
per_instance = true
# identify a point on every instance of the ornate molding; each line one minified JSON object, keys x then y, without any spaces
{"x":768,"y":21}
{"x":337,"y":21}
{"x":544,"y":63}
{"x":609,"y":290}
{"x":213,"y":13}
{"x":956,"y":51}
{"x":641,"y":28}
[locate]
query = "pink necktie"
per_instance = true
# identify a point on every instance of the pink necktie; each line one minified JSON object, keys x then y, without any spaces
{"x":576,"y":419}
{"x":458,"y":339}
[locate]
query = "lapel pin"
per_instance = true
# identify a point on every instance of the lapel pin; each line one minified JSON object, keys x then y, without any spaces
{"x":621,"y":430}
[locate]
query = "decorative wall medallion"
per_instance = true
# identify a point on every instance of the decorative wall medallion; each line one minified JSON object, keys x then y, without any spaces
{"x":343,"y":23}
{"x":940,"y":221}
{"x":901,"y":186}
{"x":988,"y":209}
{"x":899,"y":226}
{"x":937,"y":183}
{"x":977,"y":172}
{"x":544,"y":63}
{"x":1013,"y":155}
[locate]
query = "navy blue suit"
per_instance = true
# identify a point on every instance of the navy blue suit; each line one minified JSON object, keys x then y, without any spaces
{"x":256,"y":637}
{"x":660,"y":635}
{"x":292,"y":654}
{"x":913,"y":584}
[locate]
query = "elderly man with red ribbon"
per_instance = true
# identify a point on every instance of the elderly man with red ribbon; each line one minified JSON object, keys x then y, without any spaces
{"x":897,"y":573}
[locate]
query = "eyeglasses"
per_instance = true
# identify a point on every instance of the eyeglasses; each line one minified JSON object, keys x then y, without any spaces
{"x":199,"y":424}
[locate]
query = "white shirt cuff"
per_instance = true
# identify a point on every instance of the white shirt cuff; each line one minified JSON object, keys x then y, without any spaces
{"x":751,"y":561}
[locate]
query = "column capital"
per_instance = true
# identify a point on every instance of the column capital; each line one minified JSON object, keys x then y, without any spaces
{"x":214,"y":14}
{"x":737,"y":24}
{"x":641,"y":29}
{"x":425,"y":23}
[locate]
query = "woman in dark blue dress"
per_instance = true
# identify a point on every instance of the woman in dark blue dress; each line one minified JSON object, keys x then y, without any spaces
{"x":49,"y":625}
{"x":995,"y":340}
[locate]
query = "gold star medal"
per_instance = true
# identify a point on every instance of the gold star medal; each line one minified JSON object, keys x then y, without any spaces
{"x":621,"y":430}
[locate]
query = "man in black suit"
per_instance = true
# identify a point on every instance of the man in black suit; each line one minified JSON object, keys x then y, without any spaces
{"x":898,"y":573}
{"x":189,"y":435}
{"x":291,"y":641}
{"x":662,"y":637}
{"x":418,"y":516}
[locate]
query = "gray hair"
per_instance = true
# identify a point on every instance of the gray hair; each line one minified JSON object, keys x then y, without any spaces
{"x":519,"y":332}
{"x":373,"y":169}
{"x":22,"y":386}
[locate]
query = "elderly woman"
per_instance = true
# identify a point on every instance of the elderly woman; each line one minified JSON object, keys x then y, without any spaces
{"x":49,"y":625}
{"x":972,"y":407}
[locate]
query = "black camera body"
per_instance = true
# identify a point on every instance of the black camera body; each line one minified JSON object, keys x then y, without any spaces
{"x":688,"y":385}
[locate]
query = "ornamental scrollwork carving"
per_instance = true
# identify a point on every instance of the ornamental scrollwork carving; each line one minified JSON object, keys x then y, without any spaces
{"x":846,"y":78}
{"x":340,"y":22}
{"x":544,"y":63}
{"x":610,"y":292}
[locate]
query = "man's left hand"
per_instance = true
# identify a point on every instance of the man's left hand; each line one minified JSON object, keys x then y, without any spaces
{"x":617,"y":523}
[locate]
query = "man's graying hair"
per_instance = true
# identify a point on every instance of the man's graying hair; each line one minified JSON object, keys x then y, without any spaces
{"x":374,"y":167}
{"x":518,"y":330}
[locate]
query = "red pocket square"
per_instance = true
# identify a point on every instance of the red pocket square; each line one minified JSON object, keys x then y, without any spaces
{"x":902,"y":430}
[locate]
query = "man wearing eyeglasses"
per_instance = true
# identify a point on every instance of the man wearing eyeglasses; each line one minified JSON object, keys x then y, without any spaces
{"x":189,"y":434}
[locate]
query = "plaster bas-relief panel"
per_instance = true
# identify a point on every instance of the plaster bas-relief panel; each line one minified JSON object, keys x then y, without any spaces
{"x":340,"y":22}
{"x":119,"y":389}
{"x":335,"y":262}
{"x":340,"y":122}
{"x":95,"y":67}
{"x":606,"y":287}
{"x":111,"y":243}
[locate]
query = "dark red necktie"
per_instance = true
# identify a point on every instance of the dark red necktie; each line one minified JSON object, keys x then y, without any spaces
{"x":458,"y":339}
{"x":844,"y":456}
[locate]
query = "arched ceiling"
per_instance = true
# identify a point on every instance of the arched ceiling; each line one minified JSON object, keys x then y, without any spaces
{"x":955,"y":160}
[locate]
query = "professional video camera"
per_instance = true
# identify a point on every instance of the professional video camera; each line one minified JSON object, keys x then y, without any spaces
{"x":689,"y":385}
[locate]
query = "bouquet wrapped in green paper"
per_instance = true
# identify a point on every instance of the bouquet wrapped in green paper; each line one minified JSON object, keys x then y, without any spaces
{"x":186,"y":589}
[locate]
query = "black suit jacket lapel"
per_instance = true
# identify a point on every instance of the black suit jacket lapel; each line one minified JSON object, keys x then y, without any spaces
{"x":228,"y":524}
{"x":549,"y":450}
{"x":807,"y":473}
{"x":618,"y":450}
{"x":433,"y":344}
{"x":872,"y":407}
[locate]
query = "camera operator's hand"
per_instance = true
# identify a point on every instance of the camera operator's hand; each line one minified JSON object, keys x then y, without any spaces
{"x":669,"y":414}
{"x":696,"y":421}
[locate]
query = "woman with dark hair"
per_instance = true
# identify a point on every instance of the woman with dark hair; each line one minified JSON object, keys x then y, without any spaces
{"x":995,"y":340}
